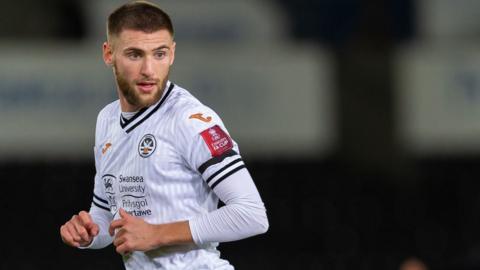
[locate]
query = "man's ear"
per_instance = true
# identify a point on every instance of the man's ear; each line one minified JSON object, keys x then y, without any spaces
{"x":107,"y":53}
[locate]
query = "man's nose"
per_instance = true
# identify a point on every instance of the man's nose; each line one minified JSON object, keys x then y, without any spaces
{"x":147,"y":67}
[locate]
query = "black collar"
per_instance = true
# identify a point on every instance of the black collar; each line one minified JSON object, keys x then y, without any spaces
{"x":130,"y":124}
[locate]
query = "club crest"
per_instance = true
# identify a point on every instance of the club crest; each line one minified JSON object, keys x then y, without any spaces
{"x":147,"y":146}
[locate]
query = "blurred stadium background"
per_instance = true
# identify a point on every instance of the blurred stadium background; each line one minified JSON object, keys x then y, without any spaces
{"x":359,"y":120}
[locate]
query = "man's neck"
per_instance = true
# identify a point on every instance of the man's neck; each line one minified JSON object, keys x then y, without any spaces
{"x":127,"y":107}
{"x":128,"y":115}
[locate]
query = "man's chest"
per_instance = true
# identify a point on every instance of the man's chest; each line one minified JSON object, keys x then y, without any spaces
{"x":143,"y":151}
{"x":136,"y":169}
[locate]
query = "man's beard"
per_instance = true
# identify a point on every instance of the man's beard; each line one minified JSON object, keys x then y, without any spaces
{"x":133,"y":98}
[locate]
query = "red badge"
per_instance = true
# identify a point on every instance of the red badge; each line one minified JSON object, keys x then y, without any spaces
{"x":217,"y":140}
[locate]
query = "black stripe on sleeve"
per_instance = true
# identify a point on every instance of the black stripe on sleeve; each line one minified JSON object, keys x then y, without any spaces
{"x":223,"y":169}
{"x":216,"y":160}
{"x":100,"y":199}
{"x":100,"y":206}
{"x":227,"y":175}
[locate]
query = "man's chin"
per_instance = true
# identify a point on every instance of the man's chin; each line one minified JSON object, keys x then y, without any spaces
{"x":147,"y":100}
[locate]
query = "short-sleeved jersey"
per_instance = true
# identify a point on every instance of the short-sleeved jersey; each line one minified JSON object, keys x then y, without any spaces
{"x":163,"y":165}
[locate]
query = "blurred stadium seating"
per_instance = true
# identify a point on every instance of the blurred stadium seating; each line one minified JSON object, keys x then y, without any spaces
{"x":374,"y":160}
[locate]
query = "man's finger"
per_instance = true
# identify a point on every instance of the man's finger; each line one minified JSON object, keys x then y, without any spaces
{"x":79,"y":228}
{"x":73,"y":233}
{"x":119,"y":238}
{"x":124,"y":214}
{"x":66,"y":236}
{"x":115,"y":225}
{"x":92,"y":229}
{"x":81,"y":231}
{"x":85,"y":218}
{"x":123,"y":249}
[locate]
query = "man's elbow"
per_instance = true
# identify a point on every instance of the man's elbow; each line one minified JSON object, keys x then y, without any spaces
{"x":265,"y":225}
{"x":262,"y":224}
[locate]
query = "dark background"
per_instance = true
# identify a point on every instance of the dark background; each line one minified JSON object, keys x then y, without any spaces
{"x":369,"y":204}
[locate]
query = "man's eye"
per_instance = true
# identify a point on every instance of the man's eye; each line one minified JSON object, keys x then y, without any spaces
{"x":133,"y":56}
{"x":160,"y":54}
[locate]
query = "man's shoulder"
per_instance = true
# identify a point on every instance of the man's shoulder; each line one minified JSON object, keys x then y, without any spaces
{"x":190,"y":114}
{"x":183,"y":101}
{"x":109,"y":110}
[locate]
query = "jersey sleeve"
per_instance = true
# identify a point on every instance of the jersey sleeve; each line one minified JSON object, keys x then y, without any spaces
{"x":244,"y":214}
{"x":101,"y":215}
{"x":99,"y":208}
{"x":207,"y":147}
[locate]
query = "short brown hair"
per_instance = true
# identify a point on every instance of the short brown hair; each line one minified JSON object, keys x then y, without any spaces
{"x":138,"y":15}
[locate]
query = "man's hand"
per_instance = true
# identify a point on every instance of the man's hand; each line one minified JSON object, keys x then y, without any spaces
{"x":132,"y":234}
{"x":79,"y":230}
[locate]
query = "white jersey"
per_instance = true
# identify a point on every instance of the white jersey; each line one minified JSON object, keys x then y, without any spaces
{"x":164,"y":164}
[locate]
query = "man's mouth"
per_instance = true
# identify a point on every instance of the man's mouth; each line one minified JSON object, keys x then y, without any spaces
{"x":146,"y":87}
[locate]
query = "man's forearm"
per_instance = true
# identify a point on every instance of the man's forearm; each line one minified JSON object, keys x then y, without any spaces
{"x":175,"y":233}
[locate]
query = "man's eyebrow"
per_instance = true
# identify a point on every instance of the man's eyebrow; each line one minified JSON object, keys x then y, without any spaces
{"x":162,"y":47}
{"x":132,"y":49}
